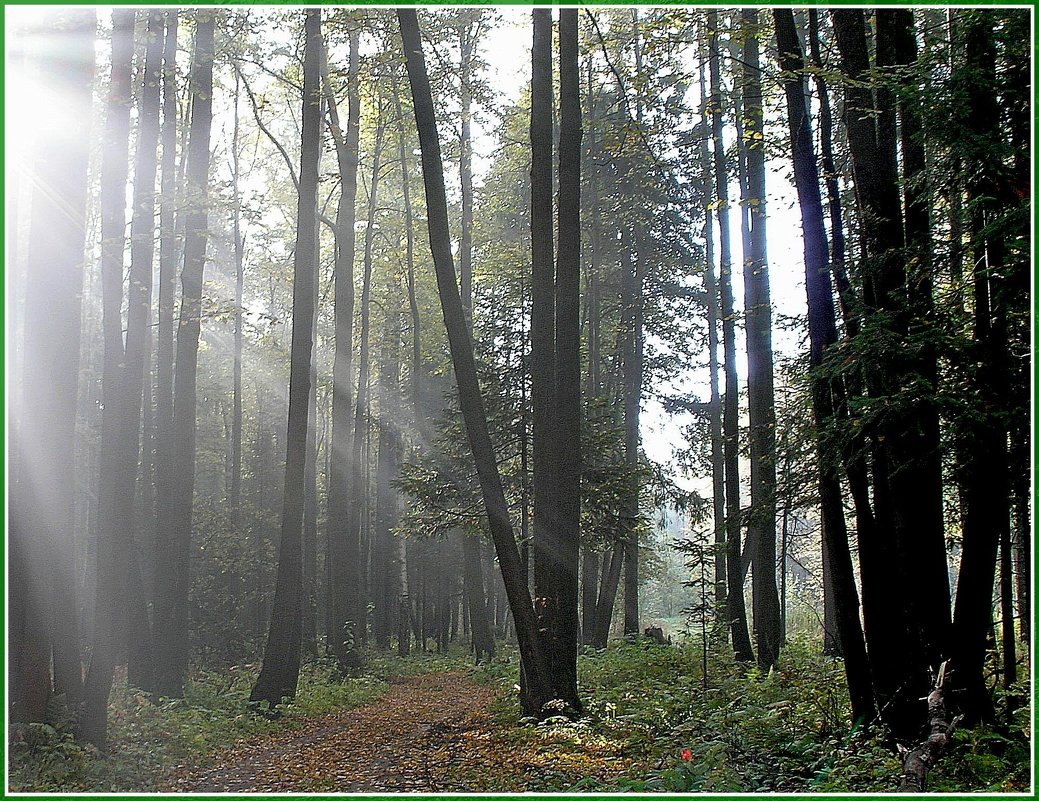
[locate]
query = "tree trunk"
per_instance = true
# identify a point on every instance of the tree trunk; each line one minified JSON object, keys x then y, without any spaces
{"x":897,"y":657}
{"x":761,"y":528}
{"x":344,"y":568}
{"x":121,"y":605}
{"x":535,"y":665}
{"x":109,"y":607}
{"x":43,"y":611}
{"x":167,"y":290}
{"x":172,"y":609}
{"x":360,"y":484}
{"x":822,"y":329}
{"x":713,"y":314}
{"x":280,"y":672}
{"x":564,"y":632}
{"x":736,"y":611}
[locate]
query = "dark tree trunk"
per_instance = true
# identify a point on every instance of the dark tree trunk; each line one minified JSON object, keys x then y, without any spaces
{"x":761,"y":527}
{"x":897,"y":658}
{"x":982,"y":446}
{"x":171,"y":618}
{"x":535,"y":665}
{"x":542,"y":318}
{"x":280,"y":672}
{"x":344,"y":569}
{"x":43,"y":609}
{"x":564,"y":632}
{"x":822,"y":328}
{"x":109,"y":608}
{"x":916,"y":457}
{"x":736,"y":612}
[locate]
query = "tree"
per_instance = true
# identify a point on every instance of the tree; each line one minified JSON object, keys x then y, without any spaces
{"x":42,"y":591}
{"x":174,"y":538}
{"x":121,"y":603}
{"x":761,"y":527}
{"x":822,"y":330}
{"x":735,"y":612}
{"x":280,"y":672}
{"x":345,"y":599}
{"x":535,"y":664}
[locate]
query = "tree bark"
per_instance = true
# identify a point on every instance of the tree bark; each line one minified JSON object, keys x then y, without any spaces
{"x":761,"y":528}
{"x":822,"y":329}
{"x":280,"y":672}
{"x":534,"y":663}
{"x":172,"y":610}
{"x":736,"y":612}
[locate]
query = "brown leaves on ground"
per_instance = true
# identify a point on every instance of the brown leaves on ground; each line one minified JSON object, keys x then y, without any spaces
{"x":430,"y":733}
{"x":396,"y":744}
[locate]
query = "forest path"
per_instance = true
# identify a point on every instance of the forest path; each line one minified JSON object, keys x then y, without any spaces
{"x":403,"y":742}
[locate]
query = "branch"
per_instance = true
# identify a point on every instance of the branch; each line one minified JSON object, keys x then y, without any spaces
{"x":922,"y":758}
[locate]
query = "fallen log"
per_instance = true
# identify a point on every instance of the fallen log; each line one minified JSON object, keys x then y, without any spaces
{"x":922,"y":758}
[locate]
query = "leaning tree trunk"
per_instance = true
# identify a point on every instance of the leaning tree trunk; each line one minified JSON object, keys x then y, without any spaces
{"x":535,"y":665}
{"x":822,"y":330}
{"x":280,"y":672}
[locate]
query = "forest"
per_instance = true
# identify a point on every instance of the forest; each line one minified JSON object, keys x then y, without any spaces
{"x":504,"y":399}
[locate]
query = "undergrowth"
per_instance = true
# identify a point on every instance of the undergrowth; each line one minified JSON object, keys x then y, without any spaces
{"x":650,"y":715}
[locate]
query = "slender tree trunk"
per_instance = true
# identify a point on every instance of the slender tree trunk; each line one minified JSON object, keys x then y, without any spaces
{"x":346,"y":611}
{"x":713,"y":314}
{"x":109,"y":607}
{"x":235,"y":499}
{"x":359,"y":485}
{"x":822,"y":329}
{"x":164,"y":347}
{"x":736,"y":611}
{"x":172,"y":611}
{"x":761,"y":529}
{"x":565,"y":631}
{"x":472,"y":581}
{"x":280,"y":672}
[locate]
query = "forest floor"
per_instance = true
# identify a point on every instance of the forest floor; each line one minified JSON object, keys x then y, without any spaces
{"x":406,"y":741}
{"x":653,"y":721}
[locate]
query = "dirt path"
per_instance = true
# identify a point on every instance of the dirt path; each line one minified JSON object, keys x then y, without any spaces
{"x":402,"y":742}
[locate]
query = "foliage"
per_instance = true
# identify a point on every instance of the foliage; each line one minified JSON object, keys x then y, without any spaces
{"x":651,"y":726}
